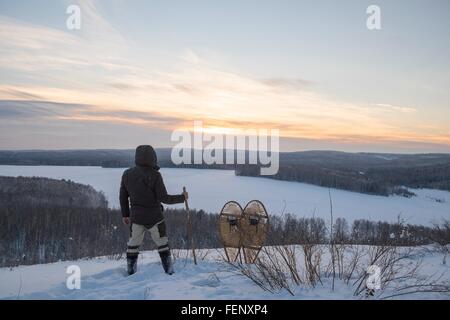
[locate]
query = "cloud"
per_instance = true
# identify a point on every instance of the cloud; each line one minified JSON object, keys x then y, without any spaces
{"x":54,"y":111}
{"x":26,"y":109}
{"x":297,"y":83}
{"x":191,"y":57}
{"x":65,"y":116}
{"x":390,"y":107}
{"x":172,"y":99}
{"x":28,"y":47}
{"x":95,"y":76}
{"x":123,"y":86}
{"x":19,"y":94}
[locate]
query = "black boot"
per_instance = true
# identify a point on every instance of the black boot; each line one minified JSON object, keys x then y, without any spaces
{"x":166,"y":259}
{"x":132,"y":264}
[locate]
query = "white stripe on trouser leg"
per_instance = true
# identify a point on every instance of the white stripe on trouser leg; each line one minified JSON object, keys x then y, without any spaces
{"x":136,"y":238}
{"x":161,"y":242}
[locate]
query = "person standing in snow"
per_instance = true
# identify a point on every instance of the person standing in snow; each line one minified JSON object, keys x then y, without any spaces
{"x":142,"y":188}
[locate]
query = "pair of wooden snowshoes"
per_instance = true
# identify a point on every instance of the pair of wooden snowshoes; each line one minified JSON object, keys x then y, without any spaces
{"x":243,"y":231}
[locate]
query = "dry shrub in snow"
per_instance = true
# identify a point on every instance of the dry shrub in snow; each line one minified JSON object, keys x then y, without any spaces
{"x":287,"y":267}
{"x":270,"y":272}
{"x":312,"y":255}
{"x":440,"y":236}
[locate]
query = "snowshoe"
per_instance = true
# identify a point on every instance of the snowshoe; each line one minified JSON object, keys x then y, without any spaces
{"x":254,"y":228}
{"x":229,"y":224}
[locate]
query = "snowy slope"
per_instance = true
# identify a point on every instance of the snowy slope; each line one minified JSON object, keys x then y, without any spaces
{"x":102,"y":278}
{"x":211,"y":189}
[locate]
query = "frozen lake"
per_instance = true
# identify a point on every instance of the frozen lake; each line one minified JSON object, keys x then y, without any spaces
{"x":210,"y":189}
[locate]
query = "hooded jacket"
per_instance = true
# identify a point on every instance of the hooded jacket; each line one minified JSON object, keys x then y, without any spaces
{"x":142,"y":188}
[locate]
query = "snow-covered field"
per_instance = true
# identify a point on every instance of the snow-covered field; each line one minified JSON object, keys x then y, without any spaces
{"x":211,"y":189}
{"x":102,"y":278}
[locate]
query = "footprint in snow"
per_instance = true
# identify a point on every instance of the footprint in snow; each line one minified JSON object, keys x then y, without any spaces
{"x":211,"y":281}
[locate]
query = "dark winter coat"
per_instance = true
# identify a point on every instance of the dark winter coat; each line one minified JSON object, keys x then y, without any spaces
{"x":143,"y":189}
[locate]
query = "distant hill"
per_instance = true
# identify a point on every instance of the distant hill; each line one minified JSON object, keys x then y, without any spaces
{"x":362,"y":160}
{"x":372,"y":173}
{"x":67,"y":157}
{"x":108,"y":158}
{"x":38,"y":191}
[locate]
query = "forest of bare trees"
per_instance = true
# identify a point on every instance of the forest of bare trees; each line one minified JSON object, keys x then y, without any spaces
{"x":379,"y":181}
{"x":39,"y":223}
{"x":39,"y":191}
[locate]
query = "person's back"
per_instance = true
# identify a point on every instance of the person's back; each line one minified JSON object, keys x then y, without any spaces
{"x":142,"y":190}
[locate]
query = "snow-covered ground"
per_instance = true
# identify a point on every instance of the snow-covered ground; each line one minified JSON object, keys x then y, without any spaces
{"x":103,"y":278}
{"x":211,"y":189}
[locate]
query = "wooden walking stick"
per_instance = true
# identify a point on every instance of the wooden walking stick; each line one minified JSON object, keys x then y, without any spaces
{"x":189,"y":228}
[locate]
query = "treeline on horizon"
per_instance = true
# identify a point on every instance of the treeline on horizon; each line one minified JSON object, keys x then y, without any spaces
{"x":56,"y":228}
{"x":370,"y":173}
{"x":377,"y":181}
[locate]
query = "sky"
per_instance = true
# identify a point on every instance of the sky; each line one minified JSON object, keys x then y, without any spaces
{"x":137,"y":70}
